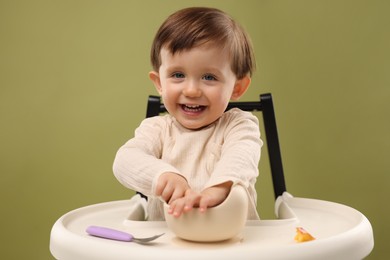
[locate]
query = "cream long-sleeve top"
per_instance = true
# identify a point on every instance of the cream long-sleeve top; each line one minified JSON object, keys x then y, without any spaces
{"x":226,"y":150}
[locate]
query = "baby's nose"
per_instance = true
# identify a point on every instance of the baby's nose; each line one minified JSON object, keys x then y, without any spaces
{"x":192,"y":90}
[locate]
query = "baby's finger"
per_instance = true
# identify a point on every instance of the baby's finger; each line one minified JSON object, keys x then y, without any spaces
{"x":204,"y":203}
{"x":167,"y":193}
{"x":176,"y":194}
{"x":160,"y":187}
{"x":192,"y":200}
{"x":177,"y":207}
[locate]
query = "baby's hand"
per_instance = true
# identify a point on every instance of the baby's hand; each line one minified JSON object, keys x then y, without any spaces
{"x":171,"y":186}
{"x":209,"y":197}
{"x":181,"y":205}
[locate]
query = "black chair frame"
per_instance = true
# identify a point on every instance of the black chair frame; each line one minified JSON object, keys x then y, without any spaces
{"x":265,"y":105}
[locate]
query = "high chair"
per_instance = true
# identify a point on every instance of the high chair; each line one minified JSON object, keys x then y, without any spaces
{"x":340,"y":232}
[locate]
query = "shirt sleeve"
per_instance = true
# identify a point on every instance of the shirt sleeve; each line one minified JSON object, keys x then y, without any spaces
{"x":138,"y":163}
{"x":241,"y":149}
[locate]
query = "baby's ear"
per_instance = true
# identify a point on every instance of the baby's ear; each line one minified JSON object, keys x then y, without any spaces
{"x":240,"y":87}
{"x":155,"y":78}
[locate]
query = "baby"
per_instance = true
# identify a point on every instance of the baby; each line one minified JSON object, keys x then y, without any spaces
{"x":192,"y":156}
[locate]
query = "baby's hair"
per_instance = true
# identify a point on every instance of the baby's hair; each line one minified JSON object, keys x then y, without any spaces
{"x":192,"y":27}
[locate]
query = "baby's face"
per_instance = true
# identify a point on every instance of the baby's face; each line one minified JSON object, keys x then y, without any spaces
{"x":196,"y":85}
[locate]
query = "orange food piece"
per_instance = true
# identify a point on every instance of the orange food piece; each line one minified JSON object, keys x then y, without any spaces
{"x":302,"y":235}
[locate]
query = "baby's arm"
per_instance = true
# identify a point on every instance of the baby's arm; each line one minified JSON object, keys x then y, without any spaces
{"x":209,"y":197}
{"x":138,"y":163}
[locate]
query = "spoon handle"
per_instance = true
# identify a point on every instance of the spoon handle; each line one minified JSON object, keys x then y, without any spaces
{"x":109,"y":233}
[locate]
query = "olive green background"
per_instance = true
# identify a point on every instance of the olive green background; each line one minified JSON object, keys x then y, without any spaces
{"x":74,"y":84}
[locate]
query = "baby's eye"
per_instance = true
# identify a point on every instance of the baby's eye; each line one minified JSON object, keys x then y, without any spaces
{"x":209,"y":77}
{"x":178,"y":75}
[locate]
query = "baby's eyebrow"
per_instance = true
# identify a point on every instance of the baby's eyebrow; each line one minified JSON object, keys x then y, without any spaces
{"x":213,"y":71}
{"x":174,"y":68}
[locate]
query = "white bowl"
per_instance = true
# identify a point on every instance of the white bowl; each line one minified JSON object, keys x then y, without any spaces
{"x":219,"y":223}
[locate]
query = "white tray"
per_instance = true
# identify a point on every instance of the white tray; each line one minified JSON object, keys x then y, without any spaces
{"x":341,"y":232}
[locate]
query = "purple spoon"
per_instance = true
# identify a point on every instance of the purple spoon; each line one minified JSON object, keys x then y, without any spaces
{"x":118,"y":235}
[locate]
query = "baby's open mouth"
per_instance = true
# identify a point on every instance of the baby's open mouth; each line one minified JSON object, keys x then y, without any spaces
{"x":193,"y":108}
